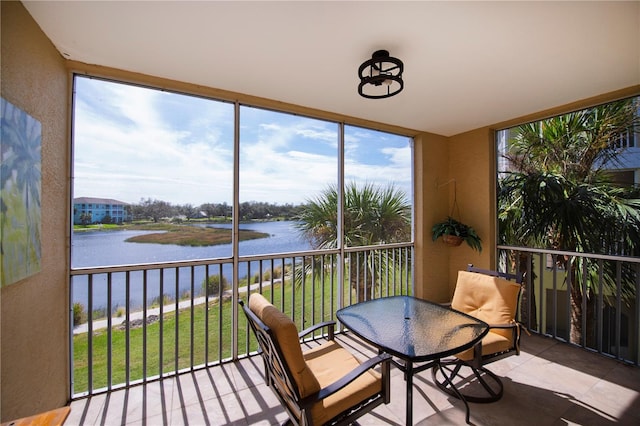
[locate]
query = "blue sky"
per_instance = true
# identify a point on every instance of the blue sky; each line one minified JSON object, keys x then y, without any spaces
{"x":132,"y":142}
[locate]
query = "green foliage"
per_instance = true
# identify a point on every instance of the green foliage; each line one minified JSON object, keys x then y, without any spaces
{"x":79,"y":314}
{"x":557,"y":194}
{"x":211,"y":285}
{"x":372,"y":215}
{"x":165,"y":299}
{"x":451,"y":226}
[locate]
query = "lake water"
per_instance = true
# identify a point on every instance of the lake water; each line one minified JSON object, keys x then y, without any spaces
{"x":92,"y":249}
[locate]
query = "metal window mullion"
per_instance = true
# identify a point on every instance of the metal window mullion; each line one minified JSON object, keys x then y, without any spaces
{"x":144,"y":326}
{"x":332,"y":281}
{"x":161,"y":331}
{"x":542,"y":299}
{"x":410,"y":255}
{"x":303,"y":289}
{"x":583,"y":334}
{"x":313,"y":290}
{"x":386,"y":253}
{"x":235,"y":232}
{"x":272,"y":265}
{"x":379,"y":275}
{"x":282,"y":284}
{"x":618,"y":307}
{"x":127,"y":339}
{"x":246,"y":329}
{"x":206,"y":313}
{"x":358,"y":278}
{"x":322,"y":288}
{"x":531,"y":296}
{"x":554,"y":297}
{"x":90,"y":335}
{"x":340,"y":220}
{"x":193,"y":320}
{"x":109,"y":333}
{"x":637,"y":299}
{"x":569,"y":296}
{"x":176,"y":341}
{"x":394,"y":272}
{"x":405,"y":272}
{"x":260,"y":277}
{"x":220,"y":315}
{"x":408,"y":275}
{"x":293,"y":289}
{"x":599,"y":307}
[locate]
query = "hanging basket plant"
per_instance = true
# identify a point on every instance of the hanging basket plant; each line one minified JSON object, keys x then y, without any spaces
{"x":452,"y":240}
{"x":454,"y":232}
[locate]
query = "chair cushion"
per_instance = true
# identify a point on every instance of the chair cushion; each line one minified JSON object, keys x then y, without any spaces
{"x":286,"y":334}
{"x":330,"y":362}
{"x":490,"y":299}
{"x":492,"y":343}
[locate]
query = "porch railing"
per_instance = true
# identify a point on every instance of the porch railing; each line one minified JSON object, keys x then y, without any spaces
{"x":137,"y":323}
{"x":589,"y":300}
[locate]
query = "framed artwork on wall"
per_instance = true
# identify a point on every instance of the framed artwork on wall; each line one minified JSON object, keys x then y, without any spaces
{"x":20,"y":190}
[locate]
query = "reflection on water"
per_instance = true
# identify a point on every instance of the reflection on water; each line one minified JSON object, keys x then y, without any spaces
{"x":91,"y":249}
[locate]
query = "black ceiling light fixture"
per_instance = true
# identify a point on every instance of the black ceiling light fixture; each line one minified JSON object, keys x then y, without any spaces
{"x":380,"y":76}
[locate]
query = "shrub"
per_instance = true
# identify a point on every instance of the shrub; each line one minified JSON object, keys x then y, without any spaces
{"x":211,"y":285}
{"x":165,"y":299}
{"x":79,"y":314}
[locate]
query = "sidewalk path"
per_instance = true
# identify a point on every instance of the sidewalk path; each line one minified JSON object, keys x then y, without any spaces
{"x":115,"y":321}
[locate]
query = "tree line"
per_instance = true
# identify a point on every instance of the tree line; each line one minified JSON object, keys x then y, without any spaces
{"x":156,"y":210}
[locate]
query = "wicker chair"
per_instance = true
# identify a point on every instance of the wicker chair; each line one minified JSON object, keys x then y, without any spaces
{"x":323,"y":385}
{"x":493,"y":298}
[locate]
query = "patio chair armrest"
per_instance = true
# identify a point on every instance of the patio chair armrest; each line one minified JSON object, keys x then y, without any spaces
{"x":331,"y":325}
{"x":383,"y":358}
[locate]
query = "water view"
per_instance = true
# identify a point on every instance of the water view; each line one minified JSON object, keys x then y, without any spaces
{"x":94,"y":249}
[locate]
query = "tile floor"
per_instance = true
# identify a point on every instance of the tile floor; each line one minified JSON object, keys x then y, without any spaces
{"x":550,"y":383}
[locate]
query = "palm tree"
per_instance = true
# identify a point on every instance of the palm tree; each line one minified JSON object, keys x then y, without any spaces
{"x":372,"y":215}
{"x":558,"y":195}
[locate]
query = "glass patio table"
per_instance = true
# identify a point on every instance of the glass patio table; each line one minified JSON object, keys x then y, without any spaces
{"x":414,"y":331}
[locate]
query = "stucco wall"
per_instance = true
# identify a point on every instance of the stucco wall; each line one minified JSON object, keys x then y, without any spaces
{"x":455,"y":169}
{"x":431,"y":153}
{"x":471,"y":164}
{"x":34,"y":311}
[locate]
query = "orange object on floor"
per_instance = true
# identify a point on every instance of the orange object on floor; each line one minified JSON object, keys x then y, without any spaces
{"x":50,"y":418}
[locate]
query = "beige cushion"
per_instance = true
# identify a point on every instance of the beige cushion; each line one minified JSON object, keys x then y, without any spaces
{"x":286,"y":334}
{"x":318,"y":367}
{"x":490,"y":299}
{"x":493,"y":300}
{"x":330,"y":362}
{"x":492,"y":343}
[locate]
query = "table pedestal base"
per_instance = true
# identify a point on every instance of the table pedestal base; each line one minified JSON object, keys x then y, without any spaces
{"x":409,"y":370}
{"x":488,"y":386}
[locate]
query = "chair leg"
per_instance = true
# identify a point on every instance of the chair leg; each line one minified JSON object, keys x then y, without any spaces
{"x":490,"y":387}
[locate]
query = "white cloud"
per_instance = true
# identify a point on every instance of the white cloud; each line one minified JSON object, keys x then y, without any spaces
{"x":132,"y":143}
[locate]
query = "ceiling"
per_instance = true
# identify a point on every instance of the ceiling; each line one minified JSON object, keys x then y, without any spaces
{"x":467,"y":64}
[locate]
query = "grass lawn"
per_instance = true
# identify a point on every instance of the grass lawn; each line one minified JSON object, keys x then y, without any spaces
{"x":216,"y":348}
{"x":210,"y":336}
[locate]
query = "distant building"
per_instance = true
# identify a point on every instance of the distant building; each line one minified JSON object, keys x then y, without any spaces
{"x":94,"y":210}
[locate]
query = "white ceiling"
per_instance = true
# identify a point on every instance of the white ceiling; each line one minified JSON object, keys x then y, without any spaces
{"x":467,"y":64}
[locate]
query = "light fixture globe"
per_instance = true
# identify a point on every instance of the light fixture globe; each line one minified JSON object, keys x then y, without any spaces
{"x":380,"y":76}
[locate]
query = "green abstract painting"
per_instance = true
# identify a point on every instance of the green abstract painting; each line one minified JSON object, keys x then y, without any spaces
{"x":20,"y":183}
